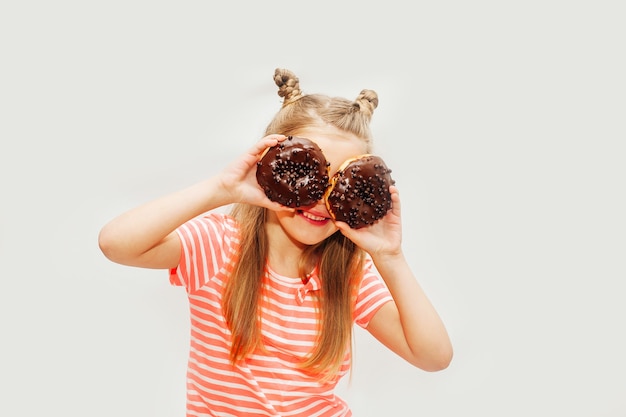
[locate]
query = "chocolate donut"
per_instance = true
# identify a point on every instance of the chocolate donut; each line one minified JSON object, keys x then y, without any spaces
{"x":293,"y":173}
{"x":359,"y":191}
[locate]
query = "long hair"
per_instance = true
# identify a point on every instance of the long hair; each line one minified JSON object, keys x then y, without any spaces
{"x":339,"y":260}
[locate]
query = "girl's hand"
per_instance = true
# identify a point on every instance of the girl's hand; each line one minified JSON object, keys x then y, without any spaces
{"x":239,"y":178}
{"x":383,"y":238}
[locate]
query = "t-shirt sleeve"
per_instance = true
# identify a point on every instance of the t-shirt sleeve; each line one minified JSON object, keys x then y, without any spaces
{"x":208,"y":243}
{"x":373,"y":293}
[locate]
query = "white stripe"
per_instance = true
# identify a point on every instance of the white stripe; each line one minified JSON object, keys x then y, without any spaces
{"x":373,"y":307}
{"x":210,"y":352}
{"x":219,"y":334}
{"x":301,"y":411}
{"x":189,"y":255}
{"x":201,"y":252}
{"x":289,"y":330}
{"x":278,"y":289}
{"x":291,"y":307}
{"x":288,"y":343}
{"x":227,"y":403}
{"x":207,"y":301}
{"x":369,"y":296}
{"x":182,"y":231}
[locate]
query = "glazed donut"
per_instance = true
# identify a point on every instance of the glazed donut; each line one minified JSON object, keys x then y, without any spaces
{"x":359,"y":191}
{"x":294,"y":172}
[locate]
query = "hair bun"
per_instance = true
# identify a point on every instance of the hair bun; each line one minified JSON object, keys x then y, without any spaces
{"x":288,"y":85}
{"x":367,"y":101}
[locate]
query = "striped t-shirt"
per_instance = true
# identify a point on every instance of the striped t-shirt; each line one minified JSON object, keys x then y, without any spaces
{"x":268,"y":382}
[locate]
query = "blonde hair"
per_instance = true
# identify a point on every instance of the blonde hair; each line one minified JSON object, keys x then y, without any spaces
{"x":339,"y":260}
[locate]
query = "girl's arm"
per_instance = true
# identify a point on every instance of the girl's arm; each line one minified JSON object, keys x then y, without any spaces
{"x":145,"y":236}
{"x":410,"y":326}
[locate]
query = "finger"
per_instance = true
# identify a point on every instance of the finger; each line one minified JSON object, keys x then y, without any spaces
{"x":267,"y":142}
{"x":279,"y":207}
{"x":276,"y":207}
{"x":395,"y":199}
{"x":344,"y":228}
{"x":342,"y":225}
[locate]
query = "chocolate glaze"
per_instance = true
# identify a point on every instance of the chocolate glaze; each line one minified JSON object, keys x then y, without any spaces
{"x":293,"y":173}
{"x":359,"y":193}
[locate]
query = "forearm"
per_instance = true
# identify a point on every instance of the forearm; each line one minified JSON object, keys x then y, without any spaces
{"x":425,"y":334}
{"x":129,"y":236}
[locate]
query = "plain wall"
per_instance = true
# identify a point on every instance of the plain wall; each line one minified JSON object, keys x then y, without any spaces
{"x":503,"y":122}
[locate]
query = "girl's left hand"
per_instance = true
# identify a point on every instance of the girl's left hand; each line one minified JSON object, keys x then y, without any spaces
{"x":384,"y":238}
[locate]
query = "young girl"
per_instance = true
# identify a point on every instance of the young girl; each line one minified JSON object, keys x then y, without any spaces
{"x":274,"y":291}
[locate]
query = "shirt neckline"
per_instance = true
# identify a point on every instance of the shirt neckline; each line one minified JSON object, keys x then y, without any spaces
{"x":292,"y":281}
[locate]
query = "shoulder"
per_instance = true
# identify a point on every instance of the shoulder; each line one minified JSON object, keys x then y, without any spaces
{"x":211,"y":229}
{"x":219,"y":222}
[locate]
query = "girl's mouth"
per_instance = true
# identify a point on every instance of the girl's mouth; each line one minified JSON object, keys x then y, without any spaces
{"x":313,"y":218}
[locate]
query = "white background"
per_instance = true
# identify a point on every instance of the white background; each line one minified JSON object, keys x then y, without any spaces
{"x":503,"y":122}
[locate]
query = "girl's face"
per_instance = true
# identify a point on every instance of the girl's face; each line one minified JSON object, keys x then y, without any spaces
{"x":311,"y":225}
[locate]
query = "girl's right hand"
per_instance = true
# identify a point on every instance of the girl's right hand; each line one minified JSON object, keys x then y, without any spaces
{"x":239,"y":178}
